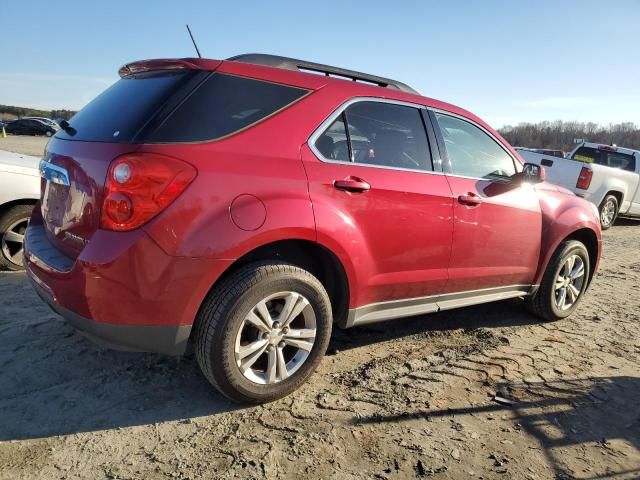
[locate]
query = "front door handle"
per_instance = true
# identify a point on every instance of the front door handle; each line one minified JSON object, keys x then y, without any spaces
{"x":470,"y":199}
{"x":352,"y":184}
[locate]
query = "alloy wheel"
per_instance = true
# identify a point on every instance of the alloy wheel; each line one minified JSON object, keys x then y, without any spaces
{"x":12,"y":241}
{"x":607,"y":213}
{"x":569,"y":282}
{"x":275,"y":338}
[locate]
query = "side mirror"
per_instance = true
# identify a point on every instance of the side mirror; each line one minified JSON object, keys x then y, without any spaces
{"x":533,"y":173}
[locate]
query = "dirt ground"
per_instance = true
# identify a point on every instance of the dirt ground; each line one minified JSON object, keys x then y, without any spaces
{"x":25,"y":144}
{"x":407,"y":399}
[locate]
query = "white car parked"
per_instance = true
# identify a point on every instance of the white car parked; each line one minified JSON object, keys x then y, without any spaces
{"x":606,"y":175}
{"x":19,"y":191}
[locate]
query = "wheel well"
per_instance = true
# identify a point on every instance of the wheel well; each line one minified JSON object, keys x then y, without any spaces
{"x":25,"y":201}
{"x":618,"y":196}
{"x":314,"y":258}
{"x":588,"y":238}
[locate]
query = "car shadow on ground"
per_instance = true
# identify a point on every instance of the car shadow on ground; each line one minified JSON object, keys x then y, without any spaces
{"x":626,"y":222}
{"x":562,"y":415}
{"x":55,"y":382}
{"x":507,"y":313}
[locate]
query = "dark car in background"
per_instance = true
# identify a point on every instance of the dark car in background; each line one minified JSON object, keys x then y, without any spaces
{"x":30,"y":126}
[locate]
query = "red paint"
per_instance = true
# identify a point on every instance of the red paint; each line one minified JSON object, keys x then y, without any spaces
{"x":407,"y":235}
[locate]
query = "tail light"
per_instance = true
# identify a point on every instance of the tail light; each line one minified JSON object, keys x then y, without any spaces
{"x":141,"y":185}
{"x":584,"y":179}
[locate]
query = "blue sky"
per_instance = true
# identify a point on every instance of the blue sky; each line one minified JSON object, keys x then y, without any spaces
{"x":507,"y":61}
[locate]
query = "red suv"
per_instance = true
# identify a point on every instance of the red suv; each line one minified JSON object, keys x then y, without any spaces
{"x":245,"y":206}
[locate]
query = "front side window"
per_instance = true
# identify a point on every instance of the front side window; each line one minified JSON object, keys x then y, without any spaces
{"x":472,"y":152}
{"x":381,"y":134}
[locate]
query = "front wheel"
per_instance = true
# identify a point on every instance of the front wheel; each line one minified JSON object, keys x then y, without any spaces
{"x":563,"y":284}
{"x":608,"y":211}
{"x":262,"y":331}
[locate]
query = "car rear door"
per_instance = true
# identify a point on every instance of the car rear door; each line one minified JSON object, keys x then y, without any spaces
{"x":497,"y":222}
{"x":378,"y":201}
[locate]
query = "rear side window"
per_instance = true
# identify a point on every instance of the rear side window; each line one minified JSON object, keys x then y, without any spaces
{"x":381,"y":134}
{"x":472,"y":152}
{"x":117,"y":114}
{"x":332,"y":144}
{"x":606,"y":157}
{"x":222,"y":105}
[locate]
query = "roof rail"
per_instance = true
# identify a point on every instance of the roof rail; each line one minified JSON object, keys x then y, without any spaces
{"x":303,"y":65}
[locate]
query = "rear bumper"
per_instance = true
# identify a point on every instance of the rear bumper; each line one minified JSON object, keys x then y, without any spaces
{"x":123,"y":291}
{"x":169,"y":340}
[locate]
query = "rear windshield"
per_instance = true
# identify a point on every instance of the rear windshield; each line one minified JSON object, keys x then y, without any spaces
{"x":222,"y":105}
{"x":167,"y":107}
{"x":117,"y":114}
{"x":606,"y":157}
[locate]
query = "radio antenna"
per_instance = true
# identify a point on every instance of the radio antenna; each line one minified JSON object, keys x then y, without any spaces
{"x":194,"y":42}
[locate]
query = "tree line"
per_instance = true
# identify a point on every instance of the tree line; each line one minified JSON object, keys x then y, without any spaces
{"x":11,"y":112}
{"x":560,"y":135}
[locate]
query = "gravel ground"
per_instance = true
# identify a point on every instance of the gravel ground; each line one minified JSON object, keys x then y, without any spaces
{"x":24,"y":144}
{"x":483,"y":392}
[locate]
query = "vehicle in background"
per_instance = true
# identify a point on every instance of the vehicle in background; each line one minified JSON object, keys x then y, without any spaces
{"x":45,"y":120}
{"x":543,"y":151}
{"x":246,"y":205}
{"x":29,"y":126}
{"x":19,"y":191}
{"x":606,"y":175}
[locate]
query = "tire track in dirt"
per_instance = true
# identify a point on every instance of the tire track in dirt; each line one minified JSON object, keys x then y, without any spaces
{"x":407,"y":399}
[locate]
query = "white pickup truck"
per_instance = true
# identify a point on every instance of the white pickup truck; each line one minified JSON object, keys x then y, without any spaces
{"x":606,"y":175}
{"x":19,"y":191}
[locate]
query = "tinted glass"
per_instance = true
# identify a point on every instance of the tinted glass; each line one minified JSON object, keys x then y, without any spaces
{"x":332,"y":144}
{"x":473,"y":153}
{"x":119,"y":112}
{"x":222,"y":105}
{"x":605,"y":157}
{"x":388,"y":135}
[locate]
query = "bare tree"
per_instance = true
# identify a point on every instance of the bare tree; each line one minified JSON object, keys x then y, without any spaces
{"x":560,"y":135}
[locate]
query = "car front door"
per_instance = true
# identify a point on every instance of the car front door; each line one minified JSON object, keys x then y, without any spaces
{"x":497,"y":221}
{"x":17,"y":127}
{"x":379,"y":203}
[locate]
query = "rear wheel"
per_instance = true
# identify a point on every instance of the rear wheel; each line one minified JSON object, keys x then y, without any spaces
{"x":608,"y":211}
{"x":263,"y":331}
{"x":13,"y":224}
{"x":563,"y":283}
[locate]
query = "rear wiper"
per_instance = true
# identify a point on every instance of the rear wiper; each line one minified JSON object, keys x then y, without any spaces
{"x":64,"y":125}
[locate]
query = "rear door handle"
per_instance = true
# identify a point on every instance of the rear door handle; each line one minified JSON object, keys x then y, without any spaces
{"x":470,"y":199}
{"x":352,"y":184}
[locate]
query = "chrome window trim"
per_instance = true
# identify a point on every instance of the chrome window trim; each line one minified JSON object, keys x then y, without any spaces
{"x":515,"y":161}
{"x":311,"y":142}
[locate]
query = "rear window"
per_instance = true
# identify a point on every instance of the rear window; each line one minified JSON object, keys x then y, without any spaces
{"x":117,"y":114}
{"x":222,"y":105}
{"x":166,"y":107}
{"x":606,"y":157}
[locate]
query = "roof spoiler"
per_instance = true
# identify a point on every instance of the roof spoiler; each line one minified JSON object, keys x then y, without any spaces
{"x":305,"y":66}
{"x":152,"y":65}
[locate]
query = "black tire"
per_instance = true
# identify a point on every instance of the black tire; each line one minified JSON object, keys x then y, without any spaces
{"x":609,"y":202}
{"x":10,"y":256}
{"x":222,"y":315}
{"x":543,"y":302}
